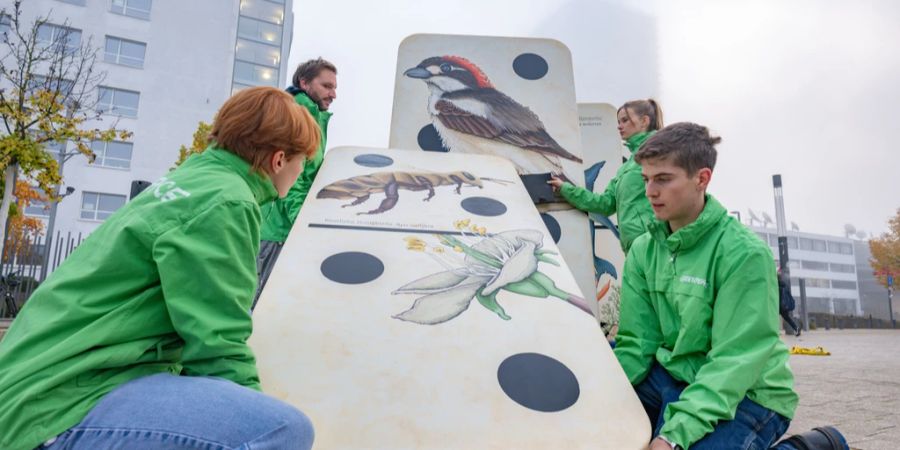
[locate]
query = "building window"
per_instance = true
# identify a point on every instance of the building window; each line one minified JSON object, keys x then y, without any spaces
{"x":814,"y":245}
{"x":237,"y":87}
{"x":792,"y":243}
{"x":98,"y":206}
{"x":818,"y":283}
{"x":54,"y":147}
{"x":841,"y":284}
{"x":5,"y":26}
{"x":258,"y":30}
{"x":256,"y":53}
{"x":125,"y":52}
{"x":49,"y":34}
{"x":814,"y":265}
{"x":132,"y":8}
{"x":844,"y":306}
{"x":840,"y":248}
{"x":263,"y":10}
{"x":118,"y":102}
{"x":254,"y":74}
{"x":843,"y":268}
{"x":37,"y":208}
{"x":112,"y":154}
{"x":818,"y":304}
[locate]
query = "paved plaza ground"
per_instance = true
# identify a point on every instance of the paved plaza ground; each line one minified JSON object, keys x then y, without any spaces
{"x":856,"y":389}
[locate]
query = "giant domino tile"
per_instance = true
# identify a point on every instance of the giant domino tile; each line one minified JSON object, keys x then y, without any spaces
{"x":420,"y":302}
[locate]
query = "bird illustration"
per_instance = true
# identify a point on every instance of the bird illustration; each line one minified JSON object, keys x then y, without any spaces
{"x":471,"y":116}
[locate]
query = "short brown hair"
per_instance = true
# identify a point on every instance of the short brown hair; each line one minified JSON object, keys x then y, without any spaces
{"x":690,"y":145}
{"x":258,"y":121}
{"x":310,"y":70}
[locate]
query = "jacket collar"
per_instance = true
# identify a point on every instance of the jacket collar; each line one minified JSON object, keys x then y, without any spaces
{"x":260,"y":184}
{"x":635,"y":141}
{"x":304,"y":100}
{"x":689,"y":235}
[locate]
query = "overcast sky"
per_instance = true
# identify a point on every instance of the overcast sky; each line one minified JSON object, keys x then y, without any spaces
{"x":808,"y":89}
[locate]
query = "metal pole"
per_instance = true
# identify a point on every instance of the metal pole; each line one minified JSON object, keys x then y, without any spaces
{"x":890,"y":283}
{"x":61,"y":157}
{"x":804,"y":313}
{"x":782,"y":228}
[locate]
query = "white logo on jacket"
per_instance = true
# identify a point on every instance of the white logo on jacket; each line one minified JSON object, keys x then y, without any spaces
{"x":693,"y":280}
{"x":165,"y":190}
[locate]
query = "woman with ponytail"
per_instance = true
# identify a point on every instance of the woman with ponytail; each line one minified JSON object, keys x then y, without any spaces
{"x":624,"y":195}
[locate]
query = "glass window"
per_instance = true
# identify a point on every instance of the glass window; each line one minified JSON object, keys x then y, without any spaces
{"x":112,"y":154}
{"x":814,"y":265}
{"x":236,"y":87}
{"x":263,"y":10}
{"x":259,"y":31}
{"x":37,"y":208}
{"x":819,"y":245}
{"x":40,"y":82}
{"x":841,"y":284}
{"x":818,"y":283}
{"x":98,"y":206}
{"x":817,"y":304}
{"x":257,"y":53}
{"x":132,"y":8}
{"x":845,"y":306}
{"x":843,"y":268}
{"x":49,"y":34}
{"x":125,"y":52}
{"x":253,"y":74}
{"x":5,"y":26}
{"x":805,"y":244}
{"x":792,"y":242}
{"x":118,"y":102}
{"x":846,"y":249}
{"x":54,"y":147}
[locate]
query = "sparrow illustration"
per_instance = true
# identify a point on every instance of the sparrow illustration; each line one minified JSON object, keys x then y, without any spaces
{"x":472,"y":116}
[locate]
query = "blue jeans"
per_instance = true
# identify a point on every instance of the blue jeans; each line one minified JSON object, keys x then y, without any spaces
{"x":165,"y":411}
{"x":754,"y":426}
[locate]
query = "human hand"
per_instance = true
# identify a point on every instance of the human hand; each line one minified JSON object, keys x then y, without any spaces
{"x":659,"y":444}
{"x":555,"y":182}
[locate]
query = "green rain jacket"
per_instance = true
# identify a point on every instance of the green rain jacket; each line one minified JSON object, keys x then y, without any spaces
{"x":623,"y":195}
{"x":279,"y":216}
{"x":703,"y":302}
{"x":164,"y":285}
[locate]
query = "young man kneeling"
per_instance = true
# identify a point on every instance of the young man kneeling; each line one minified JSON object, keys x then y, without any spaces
{"x":699,"y":328}
{"x":139,"y":339}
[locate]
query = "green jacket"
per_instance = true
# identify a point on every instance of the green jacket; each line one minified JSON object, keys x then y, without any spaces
{"x":279,"y":216}
{"x":703,"y":302}
{"x":164,"y":285}
{"x":623,"y":195}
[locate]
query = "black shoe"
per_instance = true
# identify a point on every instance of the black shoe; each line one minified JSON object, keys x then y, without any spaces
{"x":819,"y":438}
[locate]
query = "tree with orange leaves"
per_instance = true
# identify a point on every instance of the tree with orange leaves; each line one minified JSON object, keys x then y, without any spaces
{"x":886,"y":251}
{"x":23,"y":229}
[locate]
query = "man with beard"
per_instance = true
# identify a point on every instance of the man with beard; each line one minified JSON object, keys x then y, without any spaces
{"x":314,"y":87}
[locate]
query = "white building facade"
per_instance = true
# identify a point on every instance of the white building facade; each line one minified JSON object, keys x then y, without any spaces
{"x":828,"y":265}
{"x":170,"y":64}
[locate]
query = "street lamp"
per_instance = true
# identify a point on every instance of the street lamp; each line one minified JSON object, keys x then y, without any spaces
{"x":51,"y":223}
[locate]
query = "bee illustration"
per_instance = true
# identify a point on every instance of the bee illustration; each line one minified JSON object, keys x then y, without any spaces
{"x":361,"y":187}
